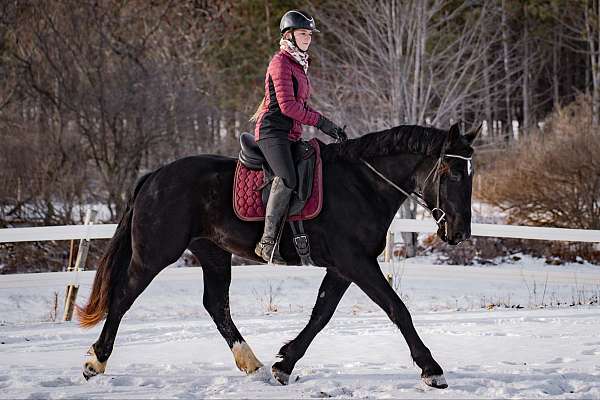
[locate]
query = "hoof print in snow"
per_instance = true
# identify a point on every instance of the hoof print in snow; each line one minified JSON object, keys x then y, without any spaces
{"x":435,"y":381}
{"x":280,"y":376}
{"x":337,"y":392}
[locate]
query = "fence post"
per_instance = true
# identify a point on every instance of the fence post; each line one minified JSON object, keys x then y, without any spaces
{"x":71,"y":250}
{"x":82,"y":252}
{"x":389,"y":247}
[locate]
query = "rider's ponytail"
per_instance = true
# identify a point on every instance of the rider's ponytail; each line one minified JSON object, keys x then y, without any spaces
{"x":254,"y":117}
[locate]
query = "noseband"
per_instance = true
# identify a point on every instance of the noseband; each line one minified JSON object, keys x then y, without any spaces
{"x":418,"y":197}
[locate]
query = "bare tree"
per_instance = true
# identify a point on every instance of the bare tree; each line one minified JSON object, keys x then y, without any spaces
{"x":111,"y":71}
{"x":390,"y":62}
{"x":581,"y":25}
{"x":592,"y":34}
{"x":507,"y":67}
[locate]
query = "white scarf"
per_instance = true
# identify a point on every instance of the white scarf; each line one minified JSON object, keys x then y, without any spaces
{"x":300,"y":56}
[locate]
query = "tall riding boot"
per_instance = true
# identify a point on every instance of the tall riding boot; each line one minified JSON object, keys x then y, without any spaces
{"x":275,"y":214}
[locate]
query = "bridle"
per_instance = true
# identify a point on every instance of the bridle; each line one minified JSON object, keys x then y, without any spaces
{"x":418,"y":197}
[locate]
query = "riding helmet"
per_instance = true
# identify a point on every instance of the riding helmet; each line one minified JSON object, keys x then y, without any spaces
{"x":295,"y":19}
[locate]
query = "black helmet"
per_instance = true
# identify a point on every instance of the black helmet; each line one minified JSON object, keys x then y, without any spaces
{"x":295,"y":19}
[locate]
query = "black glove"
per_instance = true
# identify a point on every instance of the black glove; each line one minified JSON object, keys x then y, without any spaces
{"x":342,"y":136}
{"x":331,"y":129}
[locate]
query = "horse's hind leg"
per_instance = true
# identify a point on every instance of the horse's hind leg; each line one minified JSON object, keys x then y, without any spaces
{"x":152,"y":252}
{"x":124,"y":294}
{"x":330,"y":293}
{"x":216,"y":266}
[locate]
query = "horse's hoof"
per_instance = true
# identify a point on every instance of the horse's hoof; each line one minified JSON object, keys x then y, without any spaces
{"x":245,"y":359}
{"x":280,"y":376}
{"x":92,"y":366}
{"x":90,"y":370}
{"x":436,"y":381}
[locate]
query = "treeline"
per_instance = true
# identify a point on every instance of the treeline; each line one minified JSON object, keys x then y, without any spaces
{"x":94,"y":93}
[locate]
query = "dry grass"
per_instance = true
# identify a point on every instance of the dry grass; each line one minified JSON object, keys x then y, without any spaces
{"x":552,"y":178}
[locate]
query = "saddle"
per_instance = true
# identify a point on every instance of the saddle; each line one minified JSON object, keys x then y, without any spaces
{"x":252,"y":186}
{"x":253,"y":178}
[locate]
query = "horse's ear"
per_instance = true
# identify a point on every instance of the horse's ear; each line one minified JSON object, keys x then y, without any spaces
{"x":454,"y":133}
{"x":472,"y":135}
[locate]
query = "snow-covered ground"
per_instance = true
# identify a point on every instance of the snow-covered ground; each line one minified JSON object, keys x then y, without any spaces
{"x":168,"y":347}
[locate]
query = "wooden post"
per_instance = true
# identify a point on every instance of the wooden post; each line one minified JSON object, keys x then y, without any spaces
{"x":70,"y":297}
{"x":82,"y":252}
{"x":389,"y":247}
{"x":69,"y":266}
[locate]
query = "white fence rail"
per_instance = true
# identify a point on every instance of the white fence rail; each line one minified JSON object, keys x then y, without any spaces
{"x":507,"y":231}
{"x":65,"y":232}
{"x":69,"y":232}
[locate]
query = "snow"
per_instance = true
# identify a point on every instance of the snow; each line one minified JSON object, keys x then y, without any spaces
{"x":168,"y":347}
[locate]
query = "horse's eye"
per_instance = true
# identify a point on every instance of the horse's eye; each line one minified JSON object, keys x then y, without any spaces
{"x":455,"y":176}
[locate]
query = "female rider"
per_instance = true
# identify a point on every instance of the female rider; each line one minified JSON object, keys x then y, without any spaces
{"x":279,"y":120}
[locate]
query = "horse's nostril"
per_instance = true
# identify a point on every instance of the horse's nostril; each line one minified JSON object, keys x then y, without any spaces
{"x":460,"y":236}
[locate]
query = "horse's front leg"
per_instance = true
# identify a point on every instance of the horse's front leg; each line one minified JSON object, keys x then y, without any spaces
{"x":330,"y":293}
{"x":367,"y":275}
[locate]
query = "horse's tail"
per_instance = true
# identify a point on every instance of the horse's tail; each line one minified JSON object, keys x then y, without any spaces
{"x":112,"y":268}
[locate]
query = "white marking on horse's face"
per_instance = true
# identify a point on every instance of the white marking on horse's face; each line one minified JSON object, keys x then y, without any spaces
{"x":322,"y":294}
{"x":245,"y":359}
{"x":469,"y":167}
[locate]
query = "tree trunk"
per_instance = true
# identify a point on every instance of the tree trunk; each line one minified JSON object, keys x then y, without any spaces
{"x":506,"y":70}
{"x":414,"y":111}
{"x":488,"y":96}
{"x":408,"y":209}
{"x":593,"y":28}
{"x":556,"y":46}
{"x":268,"y":17}
{"x":525,"y":87}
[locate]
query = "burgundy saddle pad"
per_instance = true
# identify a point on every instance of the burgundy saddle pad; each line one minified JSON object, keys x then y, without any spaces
{"x":247,"y":199}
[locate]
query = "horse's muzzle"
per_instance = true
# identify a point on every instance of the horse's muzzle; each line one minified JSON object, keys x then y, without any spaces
{"x":458,"y":237}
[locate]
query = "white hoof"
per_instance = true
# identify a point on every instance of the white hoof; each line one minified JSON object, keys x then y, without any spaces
{"x":245,"y":359}
{"x":436,"y":381}
{"x":92,"y":366}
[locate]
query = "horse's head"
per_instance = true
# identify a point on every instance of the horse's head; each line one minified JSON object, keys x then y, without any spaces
{"x":447,"y":187}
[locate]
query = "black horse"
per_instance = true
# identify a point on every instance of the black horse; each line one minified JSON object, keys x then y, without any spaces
{"x":188,"y":204}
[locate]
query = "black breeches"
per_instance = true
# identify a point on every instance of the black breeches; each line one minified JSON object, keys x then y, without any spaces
{"x":278,"y":153}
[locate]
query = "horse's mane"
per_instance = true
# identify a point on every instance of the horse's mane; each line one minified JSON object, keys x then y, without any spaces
{"x":413,"y":139}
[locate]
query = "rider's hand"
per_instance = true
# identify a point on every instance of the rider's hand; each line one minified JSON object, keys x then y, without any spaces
{"x":331,"y":129}
{"x":342,"y":136}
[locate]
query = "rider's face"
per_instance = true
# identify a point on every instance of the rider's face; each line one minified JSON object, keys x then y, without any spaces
{"x":303,"y":38}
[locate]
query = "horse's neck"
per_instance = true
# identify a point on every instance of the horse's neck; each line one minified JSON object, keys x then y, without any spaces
{"x":403,"y":170}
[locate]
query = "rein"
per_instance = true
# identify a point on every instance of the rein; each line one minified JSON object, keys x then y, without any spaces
{"x":418,"y":197}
